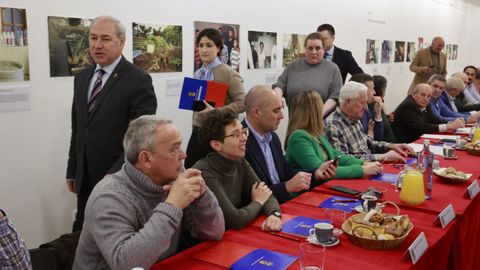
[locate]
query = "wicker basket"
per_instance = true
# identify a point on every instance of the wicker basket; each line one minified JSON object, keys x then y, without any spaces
{"x":473,"y":149}
{"x":372,"y":243}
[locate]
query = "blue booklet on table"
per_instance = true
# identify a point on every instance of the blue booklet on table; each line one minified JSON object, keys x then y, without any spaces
{"x":385,"y":177}
{"x":300,"y":225}
{"x":260,"y":259}
{"x":343,"y":203}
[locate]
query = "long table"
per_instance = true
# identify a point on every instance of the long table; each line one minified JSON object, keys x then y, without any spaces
{"x":466,"y":244}
{"x":453,"y":247}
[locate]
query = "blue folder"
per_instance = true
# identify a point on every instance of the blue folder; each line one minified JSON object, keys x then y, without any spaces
{"x":262,"y":259}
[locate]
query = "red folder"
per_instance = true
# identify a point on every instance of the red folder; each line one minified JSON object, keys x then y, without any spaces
{"x":224,"y":253}
{"x":311,"y":198}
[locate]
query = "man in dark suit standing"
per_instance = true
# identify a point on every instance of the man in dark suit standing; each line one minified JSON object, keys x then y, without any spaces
{"x":107,"y":96}
{"x":343,"y":58}
{"x":264,"y":150}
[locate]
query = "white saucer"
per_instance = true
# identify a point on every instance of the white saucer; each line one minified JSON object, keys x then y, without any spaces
{"x":313,"y":240}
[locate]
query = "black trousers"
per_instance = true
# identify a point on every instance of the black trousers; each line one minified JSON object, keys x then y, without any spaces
{"x":82,"y":198}
{"x":195,"y":150}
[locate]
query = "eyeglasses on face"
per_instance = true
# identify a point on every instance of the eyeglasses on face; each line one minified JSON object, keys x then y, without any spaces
{"x":236,"y":134}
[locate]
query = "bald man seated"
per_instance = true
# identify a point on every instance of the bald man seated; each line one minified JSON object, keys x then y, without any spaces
{"x":264,"y":150}
{"x":414,"y":117}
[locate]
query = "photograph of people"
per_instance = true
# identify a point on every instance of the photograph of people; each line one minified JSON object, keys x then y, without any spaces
{"x":411,"y":51}
{"x":228,"y":33}
{"x":387,"y":51}
{"x":372,"y":52}
{"x":399,"y":51}
{"x":235,"y":56}
{"x":264,"y":46}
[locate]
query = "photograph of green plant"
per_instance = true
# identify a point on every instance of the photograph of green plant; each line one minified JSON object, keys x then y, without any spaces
{"x":157,"y":48}
{"x":68,"y":45}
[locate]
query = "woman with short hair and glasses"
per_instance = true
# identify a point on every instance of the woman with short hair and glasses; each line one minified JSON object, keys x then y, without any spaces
{"x":241,"y":195}
{"x":311,"y":73}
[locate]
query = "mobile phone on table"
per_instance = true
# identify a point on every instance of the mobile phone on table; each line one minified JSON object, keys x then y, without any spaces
{"x":346,"y":190}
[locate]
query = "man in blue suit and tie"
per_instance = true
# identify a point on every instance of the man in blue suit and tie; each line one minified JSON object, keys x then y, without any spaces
{"x":264,"y":149}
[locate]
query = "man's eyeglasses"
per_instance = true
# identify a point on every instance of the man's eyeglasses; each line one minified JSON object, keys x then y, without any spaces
{"x":236,"y":134}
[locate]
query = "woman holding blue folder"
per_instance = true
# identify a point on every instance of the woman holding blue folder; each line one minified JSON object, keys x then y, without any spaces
{"x":210,"y":43}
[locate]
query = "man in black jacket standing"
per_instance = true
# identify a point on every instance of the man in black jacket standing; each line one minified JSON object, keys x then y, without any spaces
{"x":107,"y":96}
{"x":343,"y":58}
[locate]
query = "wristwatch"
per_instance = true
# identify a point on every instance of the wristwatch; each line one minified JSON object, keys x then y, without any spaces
{"x":277,"y":214}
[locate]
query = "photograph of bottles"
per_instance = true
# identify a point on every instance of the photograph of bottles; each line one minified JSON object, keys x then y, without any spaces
{"x":14,"y":64}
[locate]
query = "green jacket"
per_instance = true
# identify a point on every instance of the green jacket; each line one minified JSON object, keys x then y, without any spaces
{"x":304,"y":152}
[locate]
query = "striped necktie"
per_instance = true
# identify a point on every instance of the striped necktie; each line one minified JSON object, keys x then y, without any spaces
{"x":97,"y":87}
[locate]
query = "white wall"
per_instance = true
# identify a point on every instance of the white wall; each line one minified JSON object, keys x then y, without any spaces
{"x":33,"y":144}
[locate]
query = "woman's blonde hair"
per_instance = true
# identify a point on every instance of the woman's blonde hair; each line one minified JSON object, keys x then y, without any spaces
{"x":306,"y":114}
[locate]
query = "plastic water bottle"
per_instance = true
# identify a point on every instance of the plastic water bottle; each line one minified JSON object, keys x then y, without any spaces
{"x":425,"y":164}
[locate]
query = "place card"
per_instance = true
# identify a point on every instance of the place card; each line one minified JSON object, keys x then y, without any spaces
{"x":446,"y":216}
{"x":418,"y":247}
{"x":473,"y":189}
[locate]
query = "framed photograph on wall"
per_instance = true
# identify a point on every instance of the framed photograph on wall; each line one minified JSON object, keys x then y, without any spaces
{"x":411,"y":51}
{"x":68,"y":45}
{"x":231,"y":43}
{"x":399,"y":51}
{"x":263,"y":50}
{"x":157,"y":48}
{"x":373,"y":47}
{"x":14,"y":64}
{"x":387,"y":51}
{"x":293,"y":47}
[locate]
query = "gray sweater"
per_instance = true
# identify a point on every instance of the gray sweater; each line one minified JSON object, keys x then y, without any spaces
{"x":231,"y":181}
{"x":300,"y":76}
{"x":127,"y":223}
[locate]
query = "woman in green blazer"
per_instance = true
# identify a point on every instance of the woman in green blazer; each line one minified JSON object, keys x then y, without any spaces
{"x":307,"y":146}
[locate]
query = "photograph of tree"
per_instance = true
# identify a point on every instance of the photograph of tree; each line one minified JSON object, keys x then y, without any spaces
{"x":68,"y":45}
{"x":293,"y":47}
{"x":157,"y":48}
{"x":13,"y":45}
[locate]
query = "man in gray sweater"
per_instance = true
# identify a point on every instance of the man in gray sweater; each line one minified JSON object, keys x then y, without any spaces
{"x":135,"y":216}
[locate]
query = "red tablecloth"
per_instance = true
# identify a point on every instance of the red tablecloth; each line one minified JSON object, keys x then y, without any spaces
{"x":454,"y":247}
{"x":344,"y":255}
{"x":467,"y":241}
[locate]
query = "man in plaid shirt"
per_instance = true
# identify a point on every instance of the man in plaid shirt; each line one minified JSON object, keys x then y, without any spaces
{"x":13,"y":252}
{"x":344,"y":129}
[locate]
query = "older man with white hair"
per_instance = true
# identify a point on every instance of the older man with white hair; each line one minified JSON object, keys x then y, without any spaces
{"x":414,"y":117}
{"x":463,"y":102}
{"x":345,"y":133}
{"x":453,"y":96}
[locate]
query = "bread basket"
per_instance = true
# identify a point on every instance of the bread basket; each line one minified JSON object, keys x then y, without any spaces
{"x":350,"y":226}
{"x":473,"y":149}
